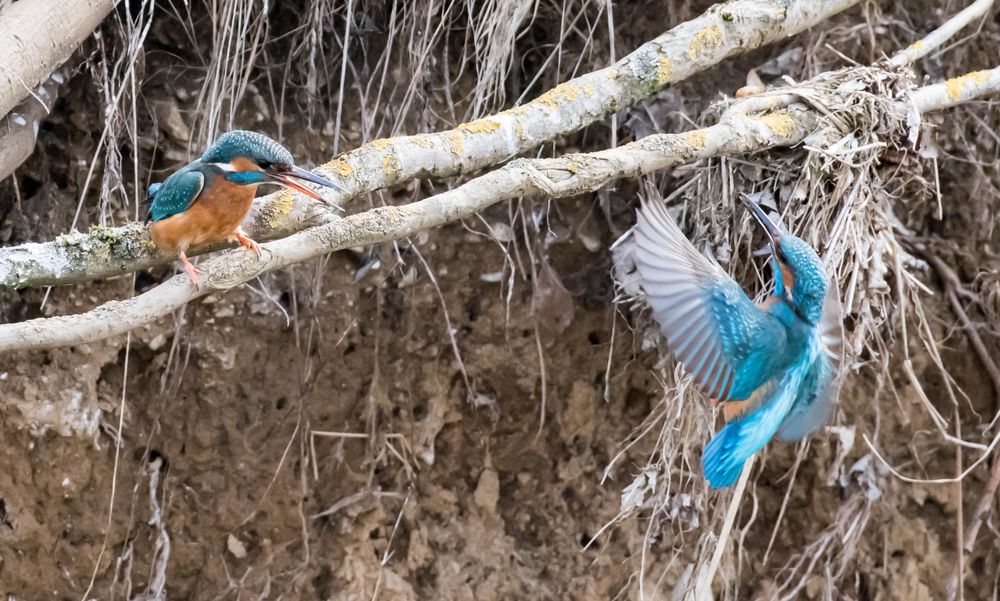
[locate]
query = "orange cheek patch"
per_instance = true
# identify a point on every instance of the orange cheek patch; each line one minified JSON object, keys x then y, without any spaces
{"x":244,"y":164}
{"x":787,"y":277}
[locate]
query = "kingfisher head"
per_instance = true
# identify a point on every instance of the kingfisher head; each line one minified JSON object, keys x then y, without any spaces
{"x":799,"y":277}
{"x":249,"y":158}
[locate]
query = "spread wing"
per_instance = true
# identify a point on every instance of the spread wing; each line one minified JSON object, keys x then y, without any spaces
{"x":818,"y":394}
{"x":730,"y":346}
{"x":176,"y":194}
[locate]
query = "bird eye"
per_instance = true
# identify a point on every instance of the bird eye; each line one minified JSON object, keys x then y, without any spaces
{"x":264,"y":164}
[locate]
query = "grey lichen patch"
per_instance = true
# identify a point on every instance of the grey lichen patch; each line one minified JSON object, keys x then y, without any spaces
{"x":651,"y":69}
{"x":120,"y":243}
{"x":105,"y":235}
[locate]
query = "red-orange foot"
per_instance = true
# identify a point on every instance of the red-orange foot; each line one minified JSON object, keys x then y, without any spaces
{"x":191,"y":270}
{"x":247,"y":243}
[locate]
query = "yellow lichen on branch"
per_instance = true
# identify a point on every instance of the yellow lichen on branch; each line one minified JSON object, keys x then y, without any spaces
{"x":780,"y":123}
{"x":957,"y":84}
{"x":422,"y":140}
{"x":279,"y":208}
{"x":665,"y":70}
{"x":456,"y":141}
{"x":391,"y":164}
{"x":695,"y":139}
{"x":339,"y":166}
{"x":708,"y":38}
{"x":561,"y":93}
{"x":480,"y":126}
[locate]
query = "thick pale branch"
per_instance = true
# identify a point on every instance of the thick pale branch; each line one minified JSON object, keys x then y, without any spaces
{"x":19,"y":129}
{"x":724,"y":30}
{"x":566,"y":176}
{"x":37,"y":37}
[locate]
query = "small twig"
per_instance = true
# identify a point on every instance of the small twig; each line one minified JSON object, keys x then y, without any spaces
{"x":703,"y":587}
{"x":942,"y":34}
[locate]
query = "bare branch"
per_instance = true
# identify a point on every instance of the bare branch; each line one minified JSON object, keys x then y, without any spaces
{"x":566,"y":176}
{"x":957,"y":90}
{"x":939,"y":36}
{"x":573,"y":174}
{"x":724,"y":30}
{"x":19,"y":129}
{"x":39,"y":36}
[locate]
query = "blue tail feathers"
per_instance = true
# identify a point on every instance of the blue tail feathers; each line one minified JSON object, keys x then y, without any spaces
{"x":725,"y":454}
{"x":722,"y":460}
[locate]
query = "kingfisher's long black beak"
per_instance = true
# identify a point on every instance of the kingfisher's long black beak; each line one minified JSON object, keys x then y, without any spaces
{"x":288,"y":175}
{"x":772,"y":231}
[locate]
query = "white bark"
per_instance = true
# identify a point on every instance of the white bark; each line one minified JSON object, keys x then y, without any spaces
{"x":565,"y":176}
{"x":724,"y":30}
{"x":957,"y":90}
{"x":37,"y":36}
{"x":939,"y":36}
{"x":19,"y":129}
{"x":737,"y":133}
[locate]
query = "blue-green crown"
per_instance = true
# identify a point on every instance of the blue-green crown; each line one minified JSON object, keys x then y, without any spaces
{"x":250,"y":144}
{"x":809,"y":289}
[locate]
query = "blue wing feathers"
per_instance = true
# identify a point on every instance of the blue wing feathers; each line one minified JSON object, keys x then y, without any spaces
{"x":176,"y":194}
{"x":712,"y":328}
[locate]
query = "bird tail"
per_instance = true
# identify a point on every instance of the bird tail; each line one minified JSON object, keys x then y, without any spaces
{"x":726,"y":453}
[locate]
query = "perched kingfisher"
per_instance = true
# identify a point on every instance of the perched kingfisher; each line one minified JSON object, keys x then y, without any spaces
{"x":774,"y":366}
{"x":207,"y":200}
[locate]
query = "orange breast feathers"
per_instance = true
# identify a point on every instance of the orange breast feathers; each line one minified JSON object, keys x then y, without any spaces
{"x":213,"y":217}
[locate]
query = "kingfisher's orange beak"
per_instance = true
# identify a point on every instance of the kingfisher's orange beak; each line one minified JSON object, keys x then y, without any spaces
{"x":290,"y":176}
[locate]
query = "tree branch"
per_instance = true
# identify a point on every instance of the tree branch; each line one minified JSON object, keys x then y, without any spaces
{"x":957,"y":90}
{"x":738,"y":133}
{"x":934,"y":39}
{"x":39,"y":36}
{"x":566,"y":176}
{"x":19,"y":129}
{"x":724,"y":30}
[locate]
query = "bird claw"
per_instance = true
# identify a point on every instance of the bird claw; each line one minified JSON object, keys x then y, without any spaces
{"x":247,"y":243}
{"x":189,"y":268}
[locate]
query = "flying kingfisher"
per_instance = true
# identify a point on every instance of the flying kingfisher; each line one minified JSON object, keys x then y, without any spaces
{"x":207,"y":200}
{"x":774,"y":366}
